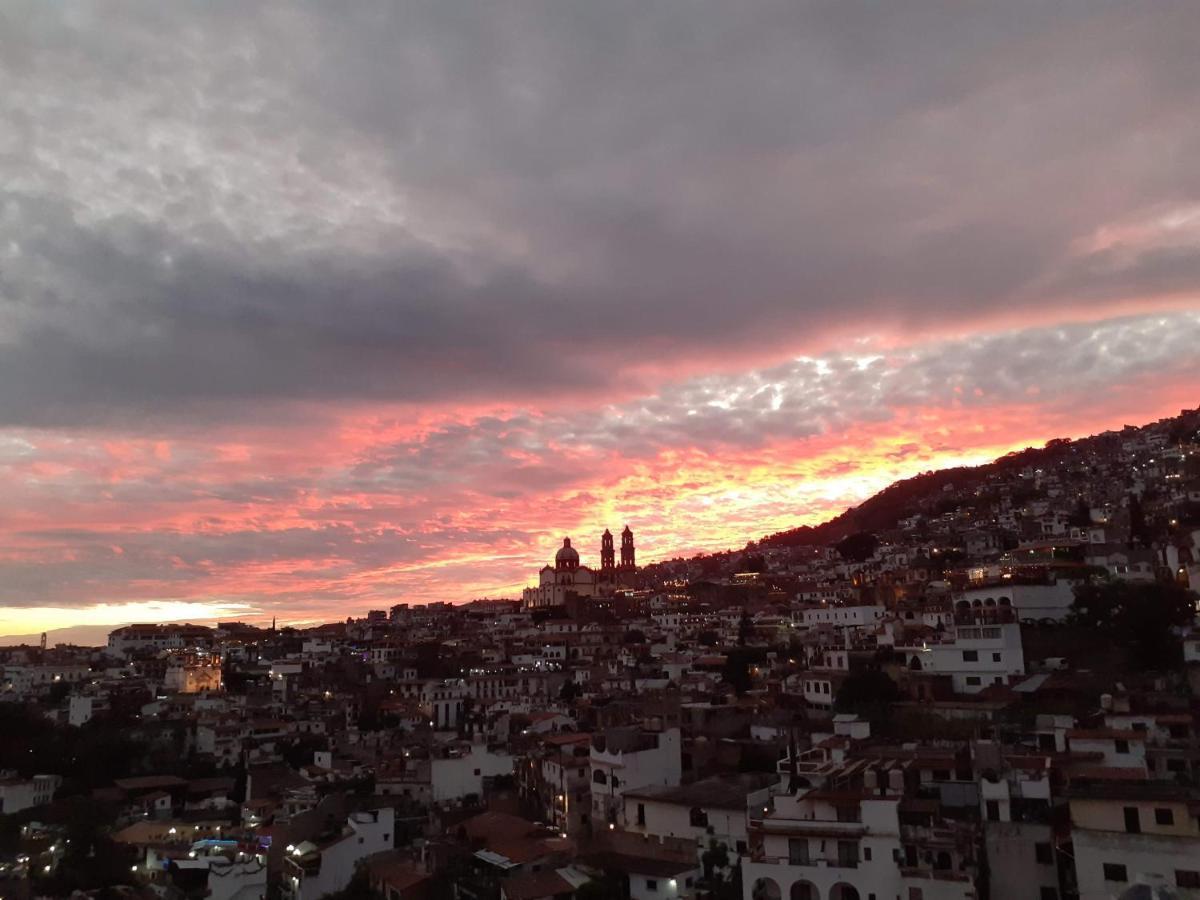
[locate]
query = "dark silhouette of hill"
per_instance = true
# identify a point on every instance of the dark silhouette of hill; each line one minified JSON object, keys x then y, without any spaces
{"x":921,"y":493}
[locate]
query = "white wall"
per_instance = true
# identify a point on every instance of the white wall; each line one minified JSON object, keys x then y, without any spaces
{"x":453,"y":779}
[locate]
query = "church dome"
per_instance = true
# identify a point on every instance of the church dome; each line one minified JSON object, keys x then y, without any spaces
{"x":567,"y":556}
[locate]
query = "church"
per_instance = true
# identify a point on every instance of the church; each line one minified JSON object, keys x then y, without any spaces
{"x":567,"y":578}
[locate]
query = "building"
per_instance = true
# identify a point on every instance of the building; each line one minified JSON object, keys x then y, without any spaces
{"x":714,"y":810}
{"x":851,"y":844}
{"x":192,"y":672}
{"x":313,"y":869}
{"x":1016,"y":807}
{"x":631,"y":758}
{"x":143,"y":638}
{"x":972,"y":656}
{"x":1125,"y":833}
{"x":18,"y":793}
{"x":568,"y":579}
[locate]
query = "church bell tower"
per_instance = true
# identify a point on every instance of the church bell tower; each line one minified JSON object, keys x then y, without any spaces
{"x":627,"y":561}
{"x":608,"y":556}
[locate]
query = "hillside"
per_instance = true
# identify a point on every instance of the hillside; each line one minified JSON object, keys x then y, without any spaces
{"x":922,"y":494}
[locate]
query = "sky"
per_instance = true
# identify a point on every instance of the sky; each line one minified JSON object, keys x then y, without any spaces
{"x":307,"y":309}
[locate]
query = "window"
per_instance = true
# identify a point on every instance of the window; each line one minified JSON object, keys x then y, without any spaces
{"x":1187,"y":878}
{"x":1133,"y":822}
{"x":1115,"y":872}
{"x":915,"y":893}
{"x":641,"y":814}
{"x":996,"y":657}
{"x":973,"y":680}
{"x":477,"y":772}
{"x":798,"y":851}
{"x":867,"y":854}
{"x":1163,"y":816}
{"x":993,"y":810}
{"x":652,"y":884}
{"x":1122,"y":745}
{"x":599,"y":777}
{"x":1048,"y":893}
{"x":1044,"y":854}
{"x":741,"y":848}
{"x":970,"y":656}
{"x":699,"y":818}
{"x":847,"y":852}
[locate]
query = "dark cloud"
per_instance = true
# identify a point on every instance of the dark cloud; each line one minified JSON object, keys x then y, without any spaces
{"x":215,"y":207}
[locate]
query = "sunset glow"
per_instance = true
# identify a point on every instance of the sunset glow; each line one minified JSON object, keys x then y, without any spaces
{"x":339,"y":511}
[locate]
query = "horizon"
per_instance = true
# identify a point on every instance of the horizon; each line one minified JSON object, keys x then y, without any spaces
{"x":309,"y":312}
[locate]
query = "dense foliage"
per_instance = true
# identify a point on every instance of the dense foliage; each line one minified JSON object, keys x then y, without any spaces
{"x":1138,"y":617}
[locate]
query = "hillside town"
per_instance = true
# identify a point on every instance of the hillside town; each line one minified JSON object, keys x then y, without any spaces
{"x":984,"y":684}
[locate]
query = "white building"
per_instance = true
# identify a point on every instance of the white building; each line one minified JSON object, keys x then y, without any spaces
{"x":826,"y":845}
{"x":841,"y":616}
{"x":627,"y":759}
{"x":714,"y":810}
{"x":1028,"y":601}
{"x":27,"y":681}
{"x":462,"y":770}
{"x":241,"y":880}
{"x":313,"y":870}
{"x":974,"y":656}
{"x":18,"y":793}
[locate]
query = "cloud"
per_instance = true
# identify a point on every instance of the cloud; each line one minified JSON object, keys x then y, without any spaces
{"x":311,"y":517}
{"x":218,"y":209}
{"x":307,"y":309}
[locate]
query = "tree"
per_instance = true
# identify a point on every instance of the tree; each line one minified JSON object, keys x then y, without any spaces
{"x":358,"y":888}
{"x":754,"y":562}
{"x":608,"y":886}
{"x":869,"y":693}
{"x":569,"y":692}
{"x":1138,"y":533}
{"x":736,"y":672}
{"x":1138,"y":617}
{"x":745,"y":628}
{"x":858,"y":547}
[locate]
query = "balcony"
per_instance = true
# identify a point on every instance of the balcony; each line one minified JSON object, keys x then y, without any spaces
{"x":810,"y":828}
{"x":812,"y":862}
